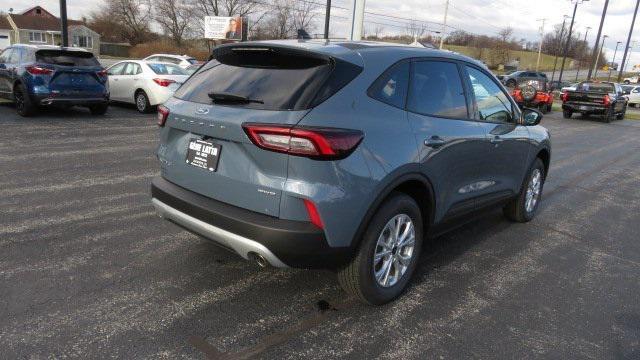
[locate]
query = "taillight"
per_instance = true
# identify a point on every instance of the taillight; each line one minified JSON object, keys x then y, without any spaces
{"x":606,"y":101}
{"x":37,"y":70}
{"x":163,"y":82}
{"x":102,"y":73}
{"x":313,"y":142}
{"x":564,"y":96}
{"x":313,"y":213}
{"x":517,"y":95}
{"x":163,"y":114}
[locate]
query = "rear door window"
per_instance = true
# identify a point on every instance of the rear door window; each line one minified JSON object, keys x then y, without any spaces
{"x":391,"y":87}
{"x":436,"y":89}
{"x":116,"y":69}
{"x":132,"y":69}
{"x":66,"y":58}
{"x":5,"y":56}
{"x":271,"y":78}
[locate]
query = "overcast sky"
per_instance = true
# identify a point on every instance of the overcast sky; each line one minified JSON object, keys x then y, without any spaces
{"x":476,"y":16}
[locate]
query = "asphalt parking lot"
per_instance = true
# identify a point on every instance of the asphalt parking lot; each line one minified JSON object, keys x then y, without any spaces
{"x":87,"y":270}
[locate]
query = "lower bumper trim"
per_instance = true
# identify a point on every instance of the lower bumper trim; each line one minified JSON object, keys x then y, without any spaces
{"x":239,"y":244}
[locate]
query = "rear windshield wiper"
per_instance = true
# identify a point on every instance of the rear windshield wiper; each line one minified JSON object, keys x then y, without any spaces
{"x":232,"y":98}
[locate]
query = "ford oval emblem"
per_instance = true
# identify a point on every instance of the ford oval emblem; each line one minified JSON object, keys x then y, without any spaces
{"x":202,"y":111}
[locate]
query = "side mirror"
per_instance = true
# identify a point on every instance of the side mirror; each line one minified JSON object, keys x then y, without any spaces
{"x":531,"y":117}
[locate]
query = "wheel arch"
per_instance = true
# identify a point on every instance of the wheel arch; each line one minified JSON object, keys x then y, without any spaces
{"x":415,"y":185}
{"x":545,"y":155}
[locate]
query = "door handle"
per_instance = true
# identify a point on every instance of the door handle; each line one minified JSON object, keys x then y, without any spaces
{"x":496,"y":140}
{"x":434,"y":142}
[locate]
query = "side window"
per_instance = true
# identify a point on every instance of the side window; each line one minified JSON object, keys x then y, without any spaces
{"x":131,"y":69}
{"x":15,"y":56}
{"x":170,"y":60}
{"x":636,"y":90}
{"x":493,"y":104}
{"x":391,"y":87}
{"x":5,"y":56}
{"x":116,"y":69}
{"x":436,"y":89}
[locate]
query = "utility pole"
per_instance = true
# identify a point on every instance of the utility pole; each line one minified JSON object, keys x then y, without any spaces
{"x":357,"y":19}
{"x":540,"y":44}
{"x":587,"y":45}
{"x":327,"y":18}
{"x":598,"y":57}
{"x":63,"y":23}
{"x":595,"y":47}
{"x":633,"y":44}
{"x":614,"y":59}
{"x":444,"y":24}
{"x":626,"y":48}
{"x":566,"y":47}
{"x":555,"y":62}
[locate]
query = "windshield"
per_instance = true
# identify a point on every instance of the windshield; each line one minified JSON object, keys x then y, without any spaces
{"x":192,"y":61}
{"x":66,"y":58}
{"x":167,"y":69}
{"x":596,"y":87}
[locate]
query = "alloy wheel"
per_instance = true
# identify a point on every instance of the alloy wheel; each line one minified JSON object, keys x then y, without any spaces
{"x":533,"y":190}
{"x":394,"y":250}
{"x":141,"y":102}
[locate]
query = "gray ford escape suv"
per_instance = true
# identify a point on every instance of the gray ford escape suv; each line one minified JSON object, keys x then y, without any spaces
{"x":343,"y":155}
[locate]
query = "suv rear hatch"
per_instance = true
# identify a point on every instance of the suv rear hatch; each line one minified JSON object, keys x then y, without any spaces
{"x":74,"y":74}
{"x":244,"y":84}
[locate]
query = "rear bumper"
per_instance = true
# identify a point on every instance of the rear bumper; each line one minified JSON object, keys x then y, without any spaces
{"x":55,"y":100}
{"x":283,"y":243}
{"x":583,"y":108}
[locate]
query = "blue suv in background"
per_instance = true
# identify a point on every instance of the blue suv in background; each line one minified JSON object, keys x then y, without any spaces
{"x":40,"y":76}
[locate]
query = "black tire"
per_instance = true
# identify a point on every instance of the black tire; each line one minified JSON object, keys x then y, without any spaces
{"x":511,"y":83}
{"x":622,"y":114}
{"x":24,"y":105}
{"x":610,"y":115}
{"x":517,"y":210}
{"x":142,"y":102}
{"x":567,"y":114}
{"x":627,"y":82}
{"x":544,"y":108}
{"x":99,"y":109}
{"x":357,"y":278}
{"x":549,"y":108}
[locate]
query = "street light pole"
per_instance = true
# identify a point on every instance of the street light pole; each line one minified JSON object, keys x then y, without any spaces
{"x":327,"y":18}
{"x":444,"y":24}
{"x":566,"y":46}
{"x":626,"y":48}
{"x":614,"y":59}
{"x":540,"y":44}
{"x":633,"y":44}
{"x":595,"y":47}
{"x":595,"y":75}
{"x":555,"y":62}
{"x":587,"y":45}
{"x":63,"y":23}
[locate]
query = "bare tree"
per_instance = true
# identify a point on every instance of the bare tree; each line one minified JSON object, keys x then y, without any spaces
{"x":175,"y":18}
{"x":415,"y":29}
{"x":285,"y":17}
{"x":127,"y":19}
{"x":302,"y":14}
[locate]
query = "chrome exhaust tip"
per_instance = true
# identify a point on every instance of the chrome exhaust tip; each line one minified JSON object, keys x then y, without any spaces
{"x":258,"y":259}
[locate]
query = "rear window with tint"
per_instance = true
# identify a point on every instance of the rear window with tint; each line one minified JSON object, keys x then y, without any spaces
{"x":66,"y":58}
{"x":277,"y":79}
{"x":167,"y":69}
{"x":596,"y":87}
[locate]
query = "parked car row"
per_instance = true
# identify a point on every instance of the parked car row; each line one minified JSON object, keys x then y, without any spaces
{"x":36,"y":77}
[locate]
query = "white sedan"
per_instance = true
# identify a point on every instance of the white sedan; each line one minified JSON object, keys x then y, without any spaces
{"x":183,"y":61}
{"x":634,"y":96}
{"x":145,"y":84}
{"x":571,"y":87}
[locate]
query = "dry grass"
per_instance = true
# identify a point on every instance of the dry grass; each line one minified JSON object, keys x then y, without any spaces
{"x":164,"y":47}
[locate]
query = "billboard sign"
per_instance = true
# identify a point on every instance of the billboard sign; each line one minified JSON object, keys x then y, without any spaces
{"x":222,"y":28}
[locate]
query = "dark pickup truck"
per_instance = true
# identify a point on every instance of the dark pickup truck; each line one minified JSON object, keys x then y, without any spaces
{"x":595,"y":98}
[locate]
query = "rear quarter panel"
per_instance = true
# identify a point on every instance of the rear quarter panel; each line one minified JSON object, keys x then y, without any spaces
{"x":344,"y":190}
